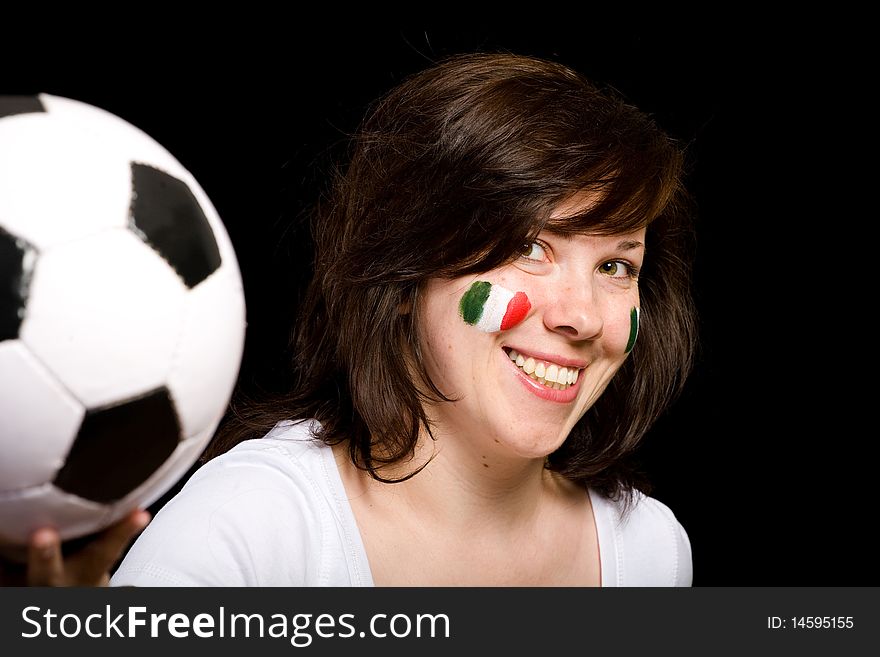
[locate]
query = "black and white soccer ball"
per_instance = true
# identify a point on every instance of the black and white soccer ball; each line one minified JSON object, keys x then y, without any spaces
{"x":122,"y":318}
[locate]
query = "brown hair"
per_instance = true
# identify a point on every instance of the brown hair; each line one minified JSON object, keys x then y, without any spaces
{"x":450,"y":174}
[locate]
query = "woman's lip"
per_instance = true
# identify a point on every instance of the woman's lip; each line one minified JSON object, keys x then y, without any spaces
{"x":552,"y":358}
{"x":540,"y":390}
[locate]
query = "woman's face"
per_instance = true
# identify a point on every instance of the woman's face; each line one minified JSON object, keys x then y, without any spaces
{"x":582,"y":291}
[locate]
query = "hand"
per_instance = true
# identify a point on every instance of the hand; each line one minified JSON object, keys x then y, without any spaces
{"x":88,"y":566}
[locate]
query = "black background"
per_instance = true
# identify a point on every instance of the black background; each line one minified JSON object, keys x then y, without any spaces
{"x":766,"y":459}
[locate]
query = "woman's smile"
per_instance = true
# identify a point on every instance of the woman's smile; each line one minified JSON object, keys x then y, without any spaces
{"x":546,"y":377}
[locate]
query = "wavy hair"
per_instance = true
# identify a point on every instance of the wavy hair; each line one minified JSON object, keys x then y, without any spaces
{"x":450,"y":174}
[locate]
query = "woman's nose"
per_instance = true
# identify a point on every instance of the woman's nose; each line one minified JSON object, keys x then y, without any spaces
{"x":573,"y":312}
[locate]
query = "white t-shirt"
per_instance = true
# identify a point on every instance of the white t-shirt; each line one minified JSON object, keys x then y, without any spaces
{"x":274,"y":512}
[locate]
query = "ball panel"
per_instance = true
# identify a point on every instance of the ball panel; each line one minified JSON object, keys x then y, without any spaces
{"x":23,"y":512}
{"x":16,"y":267}
{"x":104,"y":315}
{"x":221,"y":237}
{"x":117,"y":448}
{"x":111,"y":134}
{"x":168,"y":217}
{"x":175,"y":467}
{"x":201,"y":383}
{"x":11,"y":105}
{"x":38,"y":420}
{"x":56,"y":183}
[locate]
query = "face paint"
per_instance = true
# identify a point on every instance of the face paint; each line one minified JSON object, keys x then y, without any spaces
{"x":633,"y":328}
{"x":493,"y":308}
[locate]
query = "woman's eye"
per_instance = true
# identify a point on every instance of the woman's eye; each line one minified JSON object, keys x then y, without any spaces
{"x":533,"y":251}
{"x":617,"y":269}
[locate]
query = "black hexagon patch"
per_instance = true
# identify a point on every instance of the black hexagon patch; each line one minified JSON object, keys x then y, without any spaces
{"x":119,"y":447}
{"x":166,"y":215}
{"x":16,"y":269}
{"x":10,"y":105}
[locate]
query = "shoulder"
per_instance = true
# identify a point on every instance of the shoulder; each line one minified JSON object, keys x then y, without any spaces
{"x":257,"y":515}
{"x":284,"y":467}
{"x":644,"y":545}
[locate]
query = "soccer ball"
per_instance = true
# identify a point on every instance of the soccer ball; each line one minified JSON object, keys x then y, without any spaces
{"x":122,"y":318}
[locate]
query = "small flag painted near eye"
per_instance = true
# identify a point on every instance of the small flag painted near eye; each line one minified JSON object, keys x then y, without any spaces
{"x":633,"y":328}
{"x":493,"y":308}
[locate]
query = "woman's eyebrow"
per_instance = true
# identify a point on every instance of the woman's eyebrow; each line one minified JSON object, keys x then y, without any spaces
{"x":627,"y":245}
{"x":623,"y":245}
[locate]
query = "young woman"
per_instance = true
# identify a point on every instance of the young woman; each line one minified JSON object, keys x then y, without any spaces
{"x":499,"y":311}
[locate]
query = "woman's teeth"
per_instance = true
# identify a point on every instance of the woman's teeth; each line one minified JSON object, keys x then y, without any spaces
{"x":548,"y":374}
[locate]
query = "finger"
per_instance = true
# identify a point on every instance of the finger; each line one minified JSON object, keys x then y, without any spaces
{"x":45,"y":564}
{"x":95,"y":560}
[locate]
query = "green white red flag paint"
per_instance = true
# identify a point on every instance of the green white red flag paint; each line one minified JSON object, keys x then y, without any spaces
{"x":492,"y":307}
{"x":633,"y":328}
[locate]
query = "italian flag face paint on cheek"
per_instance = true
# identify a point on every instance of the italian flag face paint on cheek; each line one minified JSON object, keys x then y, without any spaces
{"x":633,"y":328}
{"x":493,"y":308}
